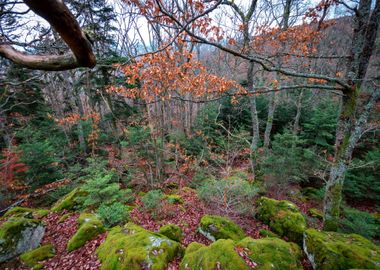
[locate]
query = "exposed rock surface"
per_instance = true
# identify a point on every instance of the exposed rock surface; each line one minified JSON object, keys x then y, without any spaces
{"x":19,"y":234}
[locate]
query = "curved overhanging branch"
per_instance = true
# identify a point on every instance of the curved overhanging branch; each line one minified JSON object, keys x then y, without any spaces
{"x":64,"y":22}
{"x":39,"y":62}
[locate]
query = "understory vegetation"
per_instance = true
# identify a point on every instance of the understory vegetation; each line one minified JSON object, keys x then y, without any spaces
{"x":188,"y":135}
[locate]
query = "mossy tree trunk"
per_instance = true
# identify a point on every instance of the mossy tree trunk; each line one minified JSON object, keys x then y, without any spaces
{"x":351,"y":124}
{"x":350,"y":129}
{"x":334,"y":186}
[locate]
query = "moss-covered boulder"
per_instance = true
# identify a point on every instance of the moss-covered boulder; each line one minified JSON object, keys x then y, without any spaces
{"x":216,"y":227}
{"x":267,"y":253}
{"x":219,"y":255}
{"x":268,"y":233}
{"x":33,"y":259}
{"x":272,"y":253}
{"x":26,"y":212}
{"x":89,"y":227}
{"x":132,"y":247}
{"x":68,"y":201}
{"x":19,"y":234}
{"x":331,"y":250}
{"x":283,"y":217}
{"x":172,"y":232}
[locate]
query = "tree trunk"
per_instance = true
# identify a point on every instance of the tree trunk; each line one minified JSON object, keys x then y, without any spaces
{"x":349,"y":129}
{"x":254,"y":116}
{"x":81,"y":138}
{"x":271,"y":110}
{"x":296,"y":125}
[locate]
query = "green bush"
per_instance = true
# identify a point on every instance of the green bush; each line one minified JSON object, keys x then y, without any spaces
{"x":192,"y":145}
{"x":319,"y":128}
{"x":152,"y":199}
{"x":289,"y":161}
{"x":149,"y":147}
{"x":200,"y":176}
{"x":363,"y":183}
{"x":363,"y":223}
{"x":42,"y":162}
{"x":103,"y":188}
{"x":229,"y":195}
{"x":113,"y":214}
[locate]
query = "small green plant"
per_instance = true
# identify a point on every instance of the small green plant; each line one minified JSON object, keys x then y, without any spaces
{"x":152,"y":199}
{"x":229,"y":195}
{"x":113,"y":214}
{"x":102,"y":187}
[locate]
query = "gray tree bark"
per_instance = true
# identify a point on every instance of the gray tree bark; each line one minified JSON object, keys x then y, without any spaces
{"x":349,"y":129}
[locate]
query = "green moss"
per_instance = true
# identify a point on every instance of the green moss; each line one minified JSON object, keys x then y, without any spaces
{"x":89,"y":227}
{"x":87,"y":217}
{"x":333,"y":213}
{"x":172,"y":231}
{"x":267,"y":253}
{"x":24,"y":212}
{"x":64,"y":217}
{"x":174,"y":198}
{"x":14,"y":236}
{"x":67,"y":202}
{"x":132,"y":247}
{"x":34,"y":257}
{"x":267,"y":233}
{"x":219,"y":255}
{"x":216,"y":227}
{"x":15,"y":225}
{"x":268,"y":207}
{"x":315,"y":213}
{"x":272,"y":253}
{"x":283,"y":217}
{"x":331,"y":250}
{"x":40,"y":213}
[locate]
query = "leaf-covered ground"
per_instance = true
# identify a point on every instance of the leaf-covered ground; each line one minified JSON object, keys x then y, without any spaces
{"x":186,"y":215}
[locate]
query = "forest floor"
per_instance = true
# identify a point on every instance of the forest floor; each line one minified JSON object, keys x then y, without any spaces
{"x":186,"y":215}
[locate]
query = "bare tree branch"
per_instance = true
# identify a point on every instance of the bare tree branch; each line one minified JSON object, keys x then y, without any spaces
{"x":64,"y":22}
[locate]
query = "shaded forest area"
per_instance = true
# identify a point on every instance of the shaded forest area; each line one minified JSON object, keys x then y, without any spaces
{"x":189,"y":134}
